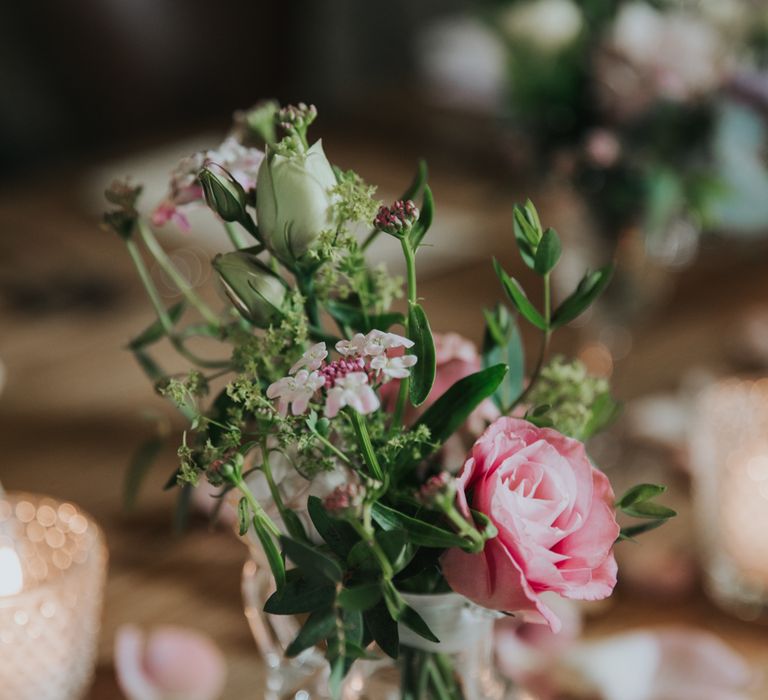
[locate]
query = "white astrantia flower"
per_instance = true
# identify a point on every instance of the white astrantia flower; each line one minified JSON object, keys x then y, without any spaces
{"x":378,"y":342}
{"x":355,"y":346}
{"x":393,"y":367}
{"x":550,"y":25}
{"x":354,"y":391}
{"x":312,"y":359}
{"x":295,"y":391}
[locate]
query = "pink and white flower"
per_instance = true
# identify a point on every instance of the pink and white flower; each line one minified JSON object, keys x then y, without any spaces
{"x":378,"y":342}
{"x":393,"y":367}
{"x":295,"y":391}
{"x":349,"y":348}
{"x":354,"y":391}
{"x":185,"y":190}
{"x":312,"y":359}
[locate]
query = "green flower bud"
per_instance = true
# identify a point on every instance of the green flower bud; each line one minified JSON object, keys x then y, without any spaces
{"x":223,"y":193}
{"x":294,"y":201}
{"x":253,"y":288}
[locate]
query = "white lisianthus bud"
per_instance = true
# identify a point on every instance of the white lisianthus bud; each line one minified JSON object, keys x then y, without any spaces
{"x":253,"y":288}
{"x":549,"y":25}
{"x":294,"y":203}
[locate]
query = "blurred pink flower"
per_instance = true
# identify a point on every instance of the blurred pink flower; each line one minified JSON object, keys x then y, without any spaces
{"x":167,"y":664}
{"x":456,"y":358}
{"x":555,"y":517}
{"x":184,"y":188}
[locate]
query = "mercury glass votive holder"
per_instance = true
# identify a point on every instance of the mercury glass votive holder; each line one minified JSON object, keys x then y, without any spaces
{"x":53,"y":563}
{"x":729,"y":461}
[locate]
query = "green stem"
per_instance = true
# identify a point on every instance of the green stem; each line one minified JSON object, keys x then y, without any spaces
{"x":544,"y":347}
{"x":438,"y":683}
{"x":465,"y":528}
{"x":162,"y":314}
{"x":367,"y":535}
{"x":331,"y":446}
{"x":445,"y":666}
{"x":306,"y":287}
{"x":366,"y":446}
{"x":410,"y":264}
{"x":176,"y":277}
{"x":258,"y":511}
{"x":234,"y":235}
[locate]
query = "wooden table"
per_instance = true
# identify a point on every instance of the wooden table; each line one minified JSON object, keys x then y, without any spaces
{"x":70,"y":415}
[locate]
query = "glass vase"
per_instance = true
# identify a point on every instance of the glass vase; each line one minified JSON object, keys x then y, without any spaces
{"x":460,"y":667}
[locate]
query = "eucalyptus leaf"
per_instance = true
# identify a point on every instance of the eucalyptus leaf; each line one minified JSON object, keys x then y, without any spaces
{"x":517,"y":296}
{"x":319,"y":625}
{"x":632,"y":531}
{"x":548,"y":252}
{"x":444,"y":417}
{"x":312,"y":562}
{"x":640,"y":493}
{"x":419,"y":532}
{"x":362,"y":597}
{"x":338,"y":535}
{"x":423,"y":372}
{"x":300,"y":595}
{"x":588,"y":290}
{"x":383,"y":628}
{"x":503,"y":344}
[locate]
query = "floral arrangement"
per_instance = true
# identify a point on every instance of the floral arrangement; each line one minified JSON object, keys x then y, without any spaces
{"x":622,"y":99}
{"x":451,"y":470}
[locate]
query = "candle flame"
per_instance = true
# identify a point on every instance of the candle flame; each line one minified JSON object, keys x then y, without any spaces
{"x":11,"y":576}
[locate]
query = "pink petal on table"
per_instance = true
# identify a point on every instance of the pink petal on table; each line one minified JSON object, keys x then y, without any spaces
{"x":169,"y":663}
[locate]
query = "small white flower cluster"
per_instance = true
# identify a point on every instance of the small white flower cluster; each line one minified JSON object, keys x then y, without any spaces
{"x":366,"y":362}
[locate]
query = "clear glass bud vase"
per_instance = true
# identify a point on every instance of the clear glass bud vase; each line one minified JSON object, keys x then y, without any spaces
{"x":459,"y":667}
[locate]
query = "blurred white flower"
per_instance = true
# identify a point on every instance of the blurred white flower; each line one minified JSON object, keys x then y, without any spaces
{"x":678,"y":55}
{"x":463,"y":63}
{"x":550,"y":25}
{"x":393,"y":367}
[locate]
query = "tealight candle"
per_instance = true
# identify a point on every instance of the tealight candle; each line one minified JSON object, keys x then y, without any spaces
{"x":52,"y":573}
{"x":729,"y":455}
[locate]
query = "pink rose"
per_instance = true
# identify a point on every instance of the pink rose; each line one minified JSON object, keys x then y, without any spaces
{"x":555,"y":517}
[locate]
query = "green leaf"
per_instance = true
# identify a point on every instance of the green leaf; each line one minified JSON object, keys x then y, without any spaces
{"x":639,"y":494}
{"x":525,"y":235}
{"x":548,"y":252}
{"x":419,"y":532}
{"x":396,"y":546}
{"x":383,"y":628}
{"x":272,"y":553}
{"x":293,"y":524}
{"x":312,"y":562}
{"x":405,"y":614}
{"x":423,"y":372}
{"x":300,"y":595}
{"x":450,"y":411}
{"x":632,"y":531}
{"x":140,"y":464}
{"x":646,"y":509}
{"x":503,"y":344}
{"x":362,"y":562}
{"x":156,"y":331}
{"x":411,"y":619}
{"x":243,"y":515}
{"x":418,"y":182}
{"x":588,"y":290}
{"x":319,"y":625}
{"x":338,"y":535}
{"x":426,"y":217}
{"x":362,"y":597}
{"x":517,"y":296}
